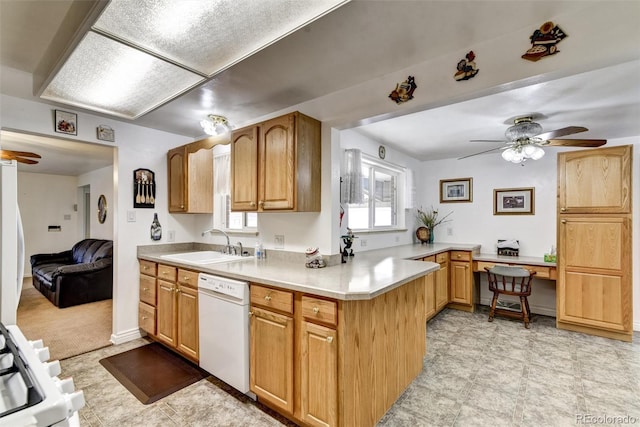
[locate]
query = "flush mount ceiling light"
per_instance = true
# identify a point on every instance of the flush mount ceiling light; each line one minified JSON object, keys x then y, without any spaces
{"x":215,"y":125}
{"x":138,"y":55}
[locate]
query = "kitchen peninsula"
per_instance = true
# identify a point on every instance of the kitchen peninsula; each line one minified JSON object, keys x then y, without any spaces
{"x":349,"y":338}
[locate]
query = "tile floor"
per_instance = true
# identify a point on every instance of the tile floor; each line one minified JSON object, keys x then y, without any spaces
{"x":476,"y":374}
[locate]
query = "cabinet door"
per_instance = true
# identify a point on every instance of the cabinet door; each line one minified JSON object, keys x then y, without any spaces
{"x":244,"y":169}
{"x":187,"y":322}
{"x":430,"y":295}
{"x":199,"y":183}
{"x":595,"y":181}
{"x":166,"y":312}
{"x":271,"y":358}
{"x":319,"y":375}
{"x":277,"y":169}
{"x":177,"y":180}
{"x":442,"y":286}
{"x":594,"y":286}
{"x":460,"y":289}
{"x":147,"y":318}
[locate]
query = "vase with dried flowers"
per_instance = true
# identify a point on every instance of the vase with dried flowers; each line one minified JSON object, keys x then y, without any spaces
{"x":429,"y":218}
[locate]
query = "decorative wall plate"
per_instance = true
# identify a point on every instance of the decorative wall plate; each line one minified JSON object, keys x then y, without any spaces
{"x":422,"y":233}
{"x":544,"y":41}
{"x":403,"y":91}
{"x":466,"y":67}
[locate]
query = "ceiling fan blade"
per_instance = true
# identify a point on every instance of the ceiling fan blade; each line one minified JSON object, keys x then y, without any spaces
{"x":21,"y":153}
{"x":482,"y":152}
{"x":561,"y":132}
{"x":487,"y":140}
{"x":19,"y":159}
{"x":576,"y":142}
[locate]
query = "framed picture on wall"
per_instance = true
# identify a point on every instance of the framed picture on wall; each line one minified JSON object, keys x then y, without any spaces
{"x":66,"y":122}
{"x":514,"y":201}
{"x":456,"y":190}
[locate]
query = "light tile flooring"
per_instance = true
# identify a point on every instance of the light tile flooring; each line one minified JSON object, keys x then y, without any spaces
{"x":475,"y":373}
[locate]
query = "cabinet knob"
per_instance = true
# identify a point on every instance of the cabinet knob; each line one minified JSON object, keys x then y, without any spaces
{"x":250,"y":313}
{"x":185,"y":278}
{"x":564,"y":221}
{"x":316,"y":310}
{"x":329,"y":340}
{"x":145,"y":289}
{"x":144,"y":317}
{"x":145,"y":267}
{"x":252,"y":204}
{"x":267,"y":297}
{"x":563,"y":209}
{"x":261,"y":202}
{"x":181,"y":206}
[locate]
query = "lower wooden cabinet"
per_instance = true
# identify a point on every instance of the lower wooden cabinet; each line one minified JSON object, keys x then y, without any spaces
{"x":173,"y":317}
{"x":271,"y":358}
{"x":442,"y":286}
{"x":430,"y":295}
{"x":461,"y":281}
{"x":319,"y":375}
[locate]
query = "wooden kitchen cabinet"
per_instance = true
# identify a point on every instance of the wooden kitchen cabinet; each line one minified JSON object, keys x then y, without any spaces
{"x":594,"y":286}
{"x":442,"y":281}
{"x":319,"y":375}
{"x":461,"y":280}
{"x":430,"y":295}
{"x":190,"y":174}
{"x":147,"y":292}
{"x":176,"y":309}
{"x":595,"y":181}
{"x":275,"y":165}
{"x":271,"y":358}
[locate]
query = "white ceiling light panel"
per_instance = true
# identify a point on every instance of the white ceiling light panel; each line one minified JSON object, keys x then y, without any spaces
{"x":107,"y":76}
{"x":208,"y":36}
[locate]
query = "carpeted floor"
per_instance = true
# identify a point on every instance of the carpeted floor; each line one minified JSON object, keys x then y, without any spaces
{"x":69,"y":331}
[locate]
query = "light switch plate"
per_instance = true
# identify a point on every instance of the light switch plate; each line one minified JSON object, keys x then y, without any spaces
{"x":131,"y":216}
{"x":171,"y":236}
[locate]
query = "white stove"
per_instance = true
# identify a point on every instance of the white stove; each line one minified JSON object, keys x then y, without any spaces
{"x":31,"y":394}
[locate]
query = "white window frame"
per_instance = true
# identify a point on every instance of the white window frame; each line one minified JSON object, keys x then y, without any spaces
{"x":222,"y":209}
{"x":390,"y":169}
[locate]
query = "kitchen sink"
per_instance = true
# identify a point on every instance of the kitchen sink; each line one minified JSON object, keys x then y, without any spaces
{"x":202,"y":257}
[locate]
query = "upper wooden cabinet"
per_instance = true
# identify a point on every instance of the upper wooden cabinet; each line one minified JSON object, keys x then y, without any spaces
{"x":190,"y":172}
{"x":595,"y":181}
{"x":275,"y":165}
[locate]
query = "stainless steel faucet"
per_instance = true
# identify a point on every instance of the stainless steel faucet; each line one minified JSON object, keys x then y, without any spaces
{"x":227,"y":249}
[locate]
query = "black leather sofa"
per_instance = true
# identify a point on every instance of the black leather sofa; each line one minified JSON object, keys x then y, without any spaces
{"x":77,"y":276}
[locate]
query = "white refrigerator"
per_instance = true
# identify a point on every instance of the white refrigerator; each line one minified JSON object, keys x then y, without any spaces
{"x":12,"y":243}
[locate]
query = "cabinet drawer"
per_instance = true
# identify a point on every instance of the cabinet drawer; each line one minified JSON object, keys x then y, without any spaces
{"x":147,"y":267}
{"x":272,"y":298}
{"x":315,"y":309}
{"x":148,"y":289}
{"x":188,"y":278}
{"x":460,"y":256}
{"x":147,"y":318}
{"x":442,"y":257}
{"x":431,"y":258}
{"x":166,"y":272}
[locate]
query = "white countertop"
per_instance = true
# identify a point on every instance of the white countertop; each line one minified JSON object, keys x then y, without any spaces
{"x":364,"y":276}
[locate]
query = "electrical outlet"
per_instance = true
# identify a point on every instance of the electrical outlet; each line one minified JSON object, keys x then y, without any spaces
{"x":449,"y":231}
{"x":171,"y":236}
{"x":279,"y":241}
{"x":363,"y":242}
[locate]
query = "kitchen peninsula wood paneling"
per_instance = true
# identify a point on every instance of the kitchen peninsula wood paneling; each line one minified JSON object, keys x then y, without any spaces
{"x":275,"y":165}
{"x":594,"y":242}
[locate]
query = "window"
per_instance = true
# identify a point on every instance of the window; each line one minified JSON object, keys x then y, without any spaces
{"x":224,"y":218}
{"x":381,"y":184}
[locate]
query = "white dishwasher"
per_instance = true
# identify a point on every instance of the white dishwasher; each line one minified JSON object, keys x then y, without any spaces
{"x":223,"y":307}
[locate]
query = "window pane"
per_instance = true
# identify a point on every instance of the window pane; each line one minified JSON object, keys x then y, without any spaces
{"x":384,"y":204}
{"x":359,"y":213}
{"x":252,"y":220}
{"x":235,"y":220}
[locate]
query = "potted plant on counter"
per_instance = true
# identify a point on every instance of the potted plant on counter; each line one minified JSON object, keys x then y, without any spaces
{"x":429,"y":220}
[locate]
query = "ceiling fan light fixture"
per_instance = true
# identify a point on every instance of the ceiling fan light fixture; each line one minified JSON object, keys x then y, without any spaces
{"x":523,"y":128}
{"x":215,"y":125}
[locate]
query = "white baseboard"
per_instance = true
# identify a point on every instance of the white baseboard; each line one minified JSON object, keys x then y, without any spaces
{"x":123,"y":337}
{"x":535,"y":309}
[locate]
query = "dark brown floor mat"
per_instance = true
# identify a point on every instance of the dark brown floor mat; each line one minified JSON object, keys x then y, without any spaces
{"x":152,"y":372}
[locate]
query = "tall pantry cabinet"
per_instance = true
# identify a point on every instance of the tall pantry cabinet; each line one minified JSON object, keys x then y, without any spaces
{"x":594,"y":287}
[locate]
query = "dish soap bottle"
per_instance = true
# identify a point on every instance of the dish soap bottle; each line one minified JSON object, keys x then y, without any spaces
{"x":257,"y":253}
{"x":156,"y":228}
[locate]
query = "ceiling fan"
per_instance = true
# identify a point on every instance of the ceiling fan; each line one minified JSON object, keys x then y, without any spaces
{"x":524,"y":140}
{"x":20,"y":156}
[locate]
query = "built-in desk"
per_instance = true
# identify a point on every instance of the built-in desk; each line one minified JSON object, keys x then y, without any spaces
{"x":544,"y":270}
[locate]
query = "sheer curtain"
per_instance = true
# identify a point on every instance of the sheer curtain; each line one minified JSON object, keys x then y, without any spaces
{"x":352,"y":176}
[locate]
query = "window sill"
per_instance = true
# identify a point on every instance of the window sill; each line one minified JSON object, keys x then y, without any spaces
{"x":381,"y":230}
{"x":241,"y":232}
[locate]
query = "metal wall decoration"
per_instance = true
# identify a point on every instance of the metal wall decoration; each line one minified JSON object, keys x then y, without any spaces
{"x":144,"y":188}
{"x":544,"y":41}
{"x":403,"y":91}
{"x":466,"y":67}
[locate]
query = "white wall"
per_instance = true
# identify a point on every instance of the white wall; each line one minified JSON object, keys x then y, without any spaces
{"x":45,"y":200}
{"x":100,"y":182}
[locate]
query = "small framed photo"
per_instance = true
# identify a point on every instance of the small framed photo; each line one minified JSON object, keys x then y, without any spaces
{"x":66,"y":122}
{"x":105,"y":133}
{"x":514,"y":201}
{"x":456,"y":190}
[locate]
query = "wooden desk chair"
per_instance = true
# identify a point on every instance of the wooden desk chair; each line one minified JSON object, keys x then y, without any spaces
{"x":514,"y":281}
